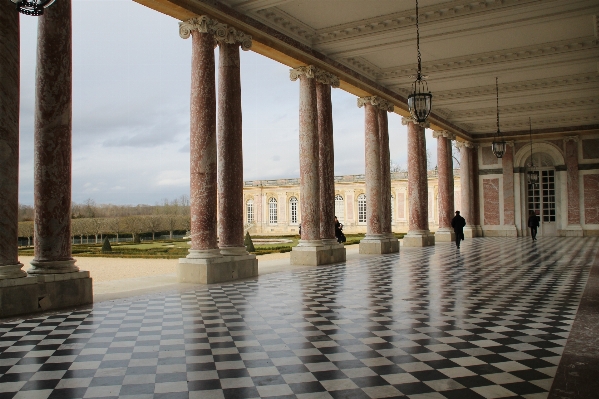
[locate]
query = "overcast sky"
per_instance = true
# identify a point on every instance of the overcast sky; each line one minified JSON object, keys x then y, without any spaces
{"x":131,"y":84}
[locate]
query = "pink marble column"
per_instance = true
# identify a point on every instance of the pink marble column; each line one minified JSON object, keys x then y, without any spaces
{"x":571,"y":144}
{"x":309,"y":156}
{"x":466,"y":191}
{"x":509,"y":205}
{"x":373,"y":173}
{"x":383,"y":122}
{"x":445,"y":175}
{"x":230,"y":153}
{"x":10,"y":267}
{"x":203,"y":153}
{"x":475,"y":203}
{"x":52,"y":142}
{"x":326,"y":155}
{"x":417,"y":179}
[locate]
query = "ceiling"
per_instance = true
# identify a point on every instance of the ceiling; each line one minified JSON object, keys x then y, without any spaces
{"x":545,"y":53}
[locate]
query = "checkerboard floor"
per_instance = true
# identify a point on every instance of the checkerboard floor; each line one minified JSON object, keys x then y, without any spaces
{"x":487,"y":321}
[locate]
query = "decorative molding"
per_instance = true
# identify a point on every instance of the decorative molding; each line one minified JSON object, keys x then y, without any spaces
{"x":376,"y":101}
{"x":434,"y":13}
{"x":284,"y":22}
{"x":443,"y":133}
{"x":305,"y":70}
{"x":491,"y":58}
{"x":222,"y":33}
{"x":571,"y":138}
{"x":482,"y":172}
{"x":363,"y":65}
{"x":522,"y":86}
{"x":568,"y":120}
{"x":466,"y":144}
{"x":326,"y":78}
{"x":406,"y":120}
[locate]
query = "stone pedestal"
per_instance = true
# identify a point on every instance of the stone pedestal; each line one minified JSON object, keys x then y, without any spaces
{"x":444,"y":234}
{"x":573,"y":230}
{"x":500,"y":231}
{"x":379,"y":245}
{"x":217,"y":270}
{"x":470,"y":232}
{"x":313,"y":255}
{"x":418,"y":239}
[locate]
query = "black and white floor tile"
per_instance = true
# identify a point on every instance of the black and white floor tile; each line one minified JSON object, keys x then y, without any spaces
{"x":487,"y":321}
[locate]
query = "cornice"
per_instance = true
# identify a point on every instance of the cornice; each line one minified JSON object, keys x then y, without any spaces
{"x":563,"y":119}
{"x":493,"y":58}
{"x":516,"y":87}
{"x":377,"y":102}
{"x":363,"y":65}
{"x":222,"y":33}
{"x":286,"y":23}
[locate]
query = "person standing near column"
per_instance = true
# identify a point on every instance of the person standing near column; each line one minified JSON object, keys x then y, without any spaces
{"x":533,"y":223}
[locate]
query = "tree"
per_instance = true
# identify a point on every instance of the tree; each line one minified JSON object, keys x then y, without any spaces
{"x":114,"y":225}
{"x":78,"y":229}
{"x":248,"y":243}
{"x":26,"y":229}
{"x":153,"y":224}
{"x":106,"y":245}
{"x":97,"y":226}
{"x":134,"y":225}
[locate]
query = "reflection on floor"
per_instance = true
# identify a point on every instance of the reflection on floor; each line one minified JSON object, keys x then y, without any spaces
{"x":487,"y":321}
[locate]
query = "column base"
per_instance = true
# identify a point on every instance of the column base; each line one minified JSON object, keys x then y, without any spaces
{"x":34,"y":294}
{"x":444,"y":235}
{"x":12,"y":271}
{"x":470,"y":232}
{"x":479,"y":231}
{"x":501,"y":231}
{"x":418,"y":239}
{"x":317,"y":255}
{"x":573,"y":230}
{"x":53,"y":266}
{"x":216,"y":269}
{"x":379,"y":245}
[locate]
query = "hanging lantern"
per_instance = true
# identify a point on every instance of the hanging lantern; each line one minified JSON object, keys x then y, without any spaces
{"x":32,"y":7}
{"x":498,"y":146}
{"x":533,"y":174}
{"x":420,"y":101}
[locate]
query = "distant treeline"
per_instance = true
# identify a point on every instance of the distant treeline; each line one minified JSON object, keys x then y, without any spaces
{"x":89,"y":219}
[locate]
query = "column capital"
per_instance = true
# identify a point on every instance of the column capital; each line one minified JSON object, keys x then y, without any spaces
{"x":222,"y":33}
{"x":325,"y":77}
{"x":406,"y":120}
{"x":465,"y":144}
{"x":376,"y":101}
{"x":571,"y":138}
{"x":443,"y":133}
{"x":308,"y":71}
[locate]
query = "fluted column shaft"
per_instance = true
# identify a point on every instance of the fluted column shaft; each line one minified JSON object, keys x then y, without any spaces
{"x":373,"y":171}
{"x":383,"y":122}
{"x":326,"y":159}
{"x":9,"y":141}
{"x":203,"y":153}
{"x":309,"y":160}
{"x":230,"y":153}
{"x":571,"y":144}
{"x":52,"y":142}
{"x":445,"y":175}
{"x":466,"y":193}
{"x":417,"y":179}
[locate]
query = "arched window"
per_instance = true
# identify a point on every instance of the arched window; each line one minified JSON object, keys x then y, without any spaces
{"x":339,"y":208}
{"x":362,"y":208}
{"x":249,"y":210}
{"x":272,"y":211}
{"x":293,"y":210}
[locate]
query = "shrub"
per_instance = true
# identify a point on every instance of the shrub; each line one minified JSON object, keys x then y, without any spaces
{"x":249,"y":244}
{"x":106,"y":245}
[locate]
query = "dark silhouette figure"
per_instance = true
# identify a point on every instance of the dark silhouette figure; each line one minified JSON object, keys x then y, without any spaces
{"x":458,"y":224}
{"x":339,"y":231}
{"x":533,"y":223}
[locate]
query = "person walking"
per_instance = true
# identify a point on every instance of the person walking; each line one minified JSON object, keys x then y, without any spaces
{"x":533,"y":223}
{"x":458,"y":224}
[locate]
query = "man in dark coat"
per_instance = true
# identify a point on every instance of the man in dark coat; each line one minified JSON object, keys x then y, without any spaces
{"x":533,"y":223}
{"x":458,"y":224}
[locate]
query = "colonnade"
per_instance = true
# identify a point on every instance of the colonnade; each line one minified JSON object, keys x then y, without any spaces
{"x":53,"y":281}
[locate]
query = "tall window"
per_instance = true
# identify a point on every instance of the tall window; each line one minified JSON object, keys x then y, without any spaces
{"x":548,"y":182}
{"x":249,"y":207}
{"x":339,"y":208}
{"x":361,"y":208}
{"x":293,"y":209}
{"x":392,"y":208}
{"x":272,"y":211}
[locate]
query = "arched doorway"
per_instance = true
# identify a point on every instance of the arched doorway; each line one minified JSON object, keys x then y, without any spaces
{"x":541,"y":197}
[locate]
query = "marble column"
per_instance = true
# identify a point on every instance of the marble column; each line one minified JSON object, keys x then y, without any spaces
{"x":216,"y":157}
{"x":466,"y":188}
{"x":10,"y":267}
{"x":445,"y":179}
{"x":374,"y":180}
{"x":326,"y":154}
{"x":509,"y":204}
{"x":474,"y":171}
{"x":202,"y":140}
{"x":383,"y":122}
{"x":230,"y":152}
{"x":52,"y":143}
{"x":574,"y":227}
{"x":418,"y":230}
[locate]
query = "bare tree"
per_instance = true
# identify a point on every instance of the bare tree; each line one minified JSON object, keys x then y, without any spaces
{"x":153,"y":224}
{"x":134,"y":225}
{"x":26,"y":230}
{"x":115,"y":226}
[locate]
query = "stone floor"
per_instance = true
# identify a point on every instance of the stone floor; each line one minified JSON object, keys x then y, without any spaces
{"x":489,"y":320}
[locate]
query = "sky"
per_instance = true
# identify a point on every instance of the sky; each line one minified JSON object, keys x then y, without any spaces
{"x":131,"y":90}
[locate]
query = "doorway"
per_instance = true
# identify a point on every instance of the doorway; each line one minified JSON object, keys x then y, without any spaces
{"x":541,"y":200}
